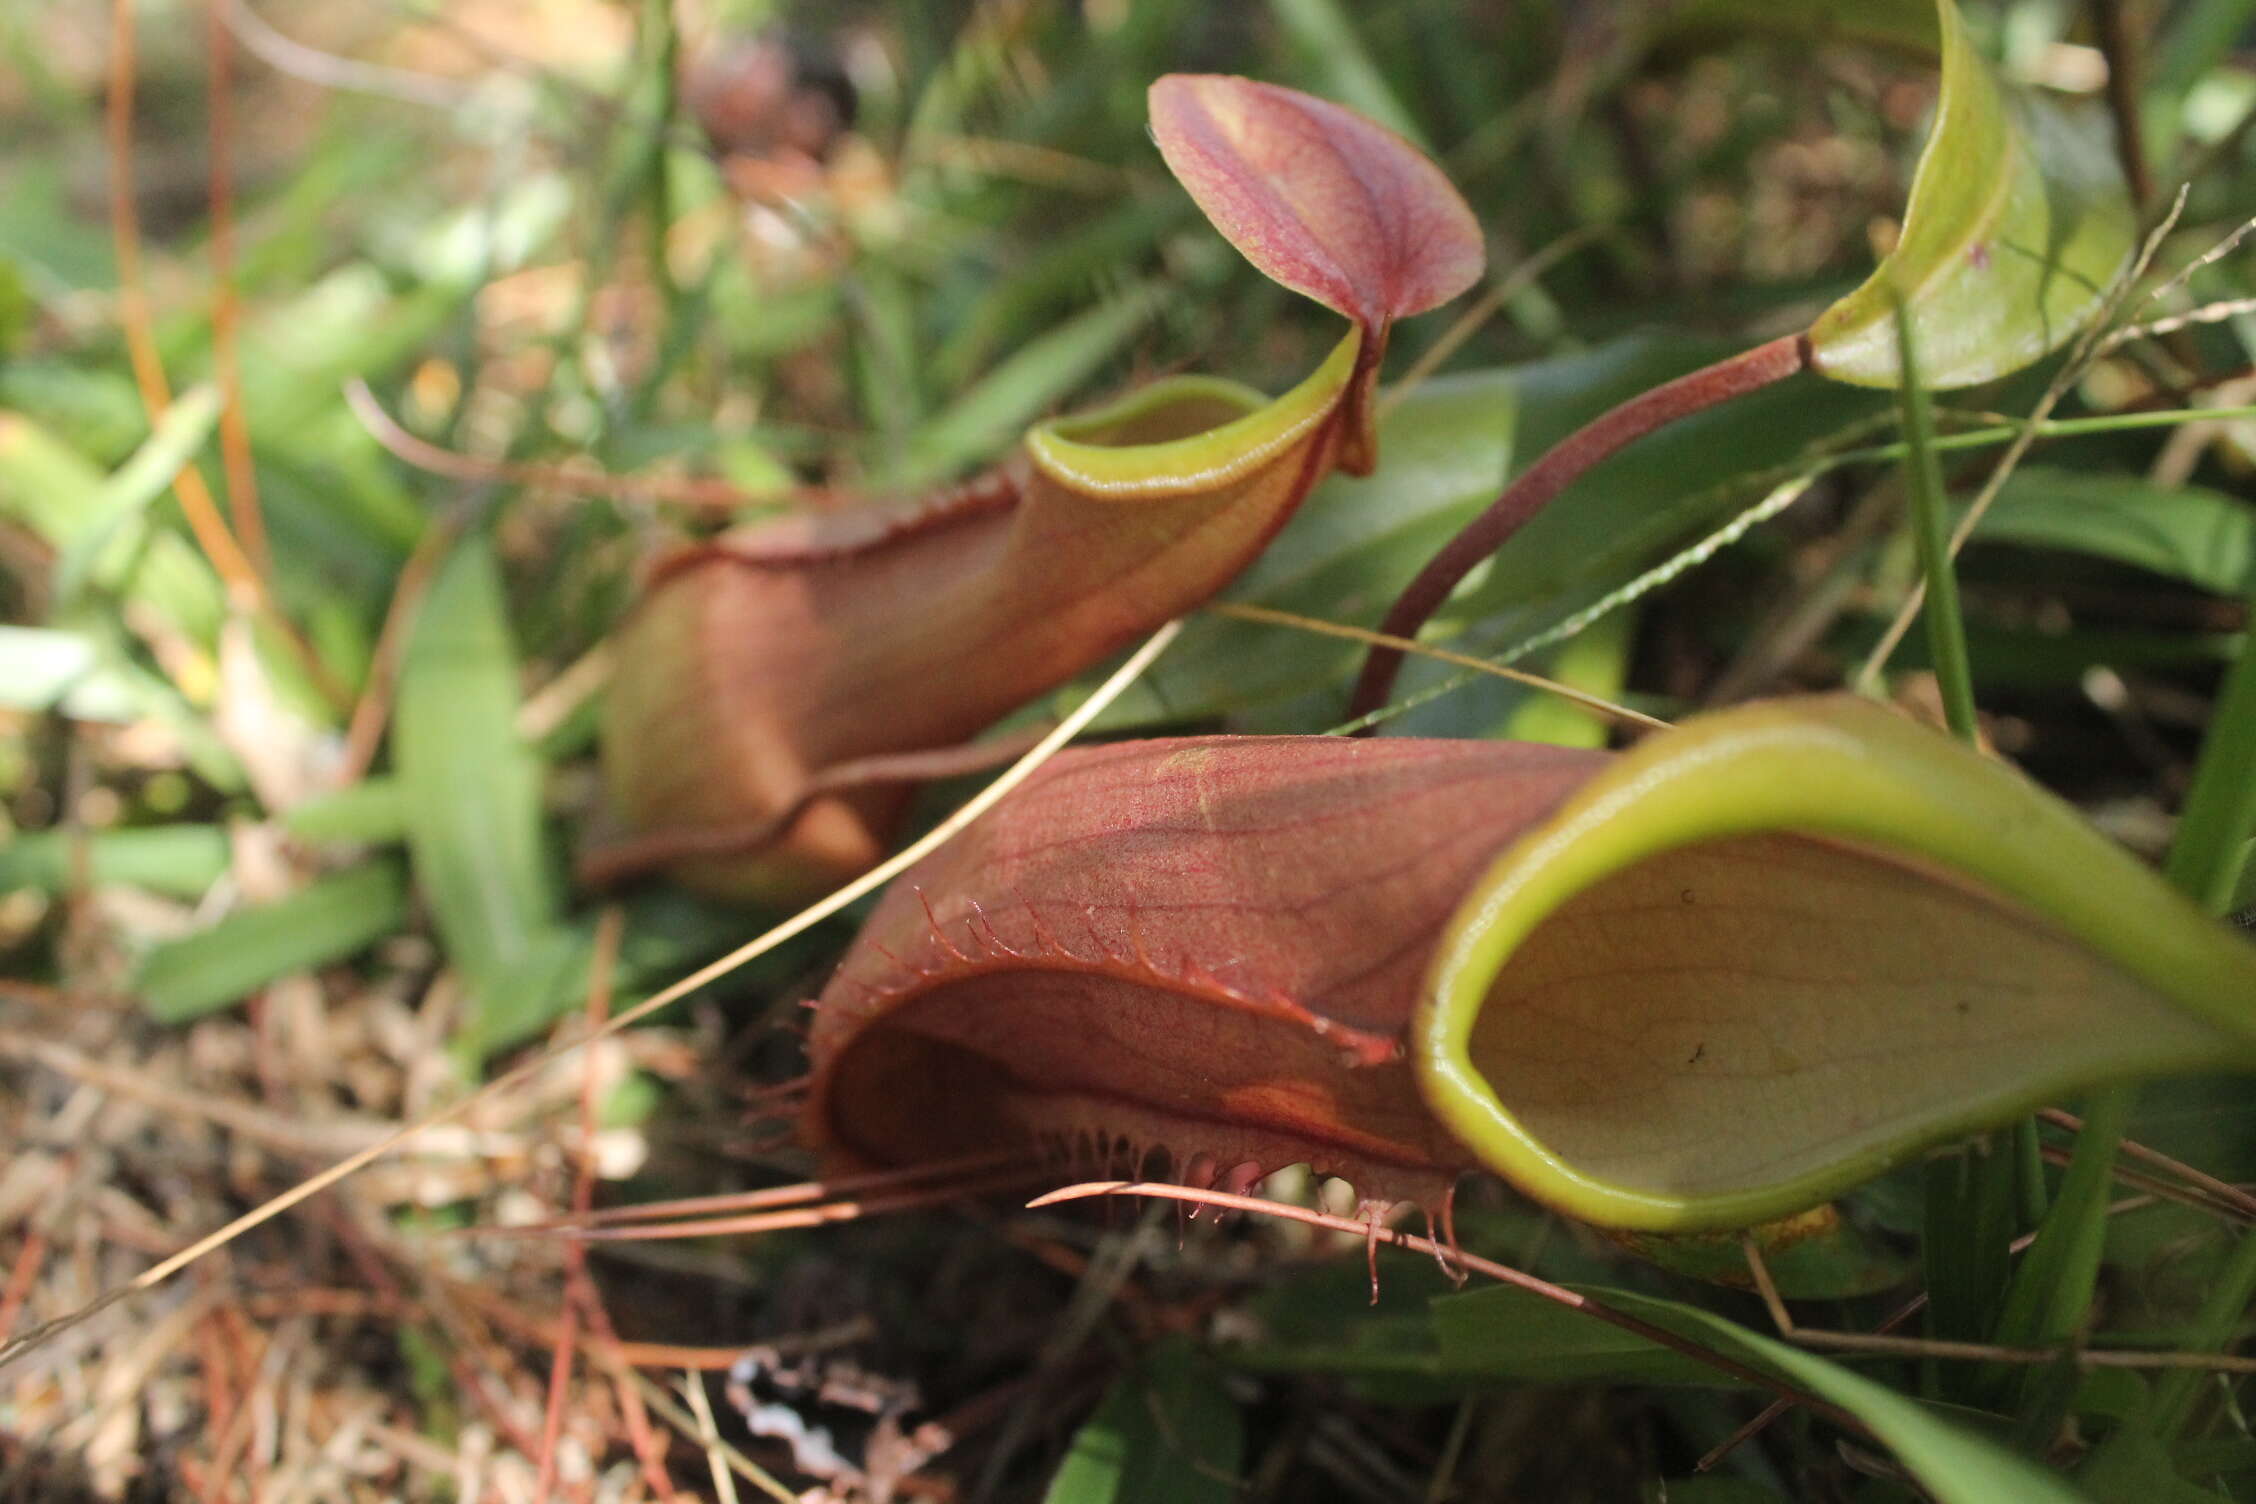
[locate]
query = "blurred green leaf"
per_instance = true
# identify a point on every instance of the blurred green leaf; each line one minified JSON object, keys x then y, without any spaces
{"x":1953,"y":1464}
{"x":1167,"y":1430}
{"x":93,"y":410}
{"x":372,"y":812}
{"x":1319,"y":1320}
{"x":324,"y":922}
{"x":1964,"y":1244}
{"x":1597,"y":662}
{"x":979,"y":425}
{"x":1818,"y":1255}
{"x":41,"y":669}
{"x":1512,"y":1334}
{"x":2018,"y":223}
{"x":89,"y":555}
{"x":1076,"y":266}
{"x":353,"y":322}
{"x":69,"y":503}
{"x":15,"y":305}
{"x":1908,"y":25}
{"x":2202,"y":34}
{"x":1710,"y":1488}
{"x":2202,"y":537}
{"x":2134,"y":1466}
{"x":471,"y":787}
{"x":1322,"y":34}
{"x":179,"y":861}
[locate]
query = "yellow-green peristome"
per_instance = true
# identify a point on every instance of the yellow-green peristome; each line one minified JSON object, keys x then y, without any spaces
{"x":1768,"y":954}
{"x":1129,"y":450}
{"x":2017,"y":225}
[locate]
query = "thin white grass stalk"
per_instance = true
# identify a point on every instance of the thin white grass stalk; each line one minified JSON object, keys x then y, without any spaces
{"x":655,"y":1396}
{"x":2208,"y":258}
{"x":709,"y":1436}
{"x":1780,"y":498}
{"x":2207,"y":313}
{"x":869,"y":882}
{"x":1322,"y":628}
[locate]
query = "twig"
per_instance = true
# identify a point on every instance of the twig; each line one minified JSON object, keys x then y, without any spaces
{"x":608,"y":1353}
{"x":245,"y":586}
{"x":1770,"y":1413}
{"x":819,"y":1215}
{"x":2152,"y":1188}
{"x":547,"y":707}
{"x":682,"y":1421}
{"x":329,"y":71}
{"x":797,"y":1194}
{"x":2208,"y":313}
{"x":276,"y":1130}
{"x":600,"y":965}
{"x":1975,"y":1352}
{"x":227,"y":302}
{"x":22,"y":1276}
{"x":709,"y":1435}
{"x":805,"y":919}
{"x":2216,"y":253}
{"x":1893,"y":1320}
{"x":2223,"y":1190}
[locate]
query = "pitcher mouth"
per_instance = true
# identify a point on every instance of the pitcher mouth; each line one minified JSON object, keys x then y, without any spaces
{"x":1188,"y":433}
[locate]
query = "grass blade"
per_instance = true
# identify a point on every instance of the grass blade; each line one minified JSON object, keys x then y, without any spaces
{"x":189,"y":977}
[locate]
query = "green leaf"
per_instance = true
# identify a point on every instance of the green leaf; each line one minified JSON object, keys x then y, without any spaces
{"x":15,"y":305}
{"x":1063,"y":272}
{"x":983,"y":421}
{"x":1907,"y":25}
{"x":471,"y":787}
{"x":2017,"y":225}
{"x":65,"y":499}
{"x":1713,"y":1488}
{"x":1953,"y":1464}
{"x":41,"y":669}
{"x":372,"y":812}
{"x":1817,"y":1255}
{"x":2134,"y":1466}
{"x":1402,"y":1351}
{"x":89,"y":557}
{"x":1518,"y":1336}
{"x":324,"y":922}
{"x":1166,"y":1430}
{"x":2202,"y":537}
{"x":1323,"y":35}
{"x":179,"y":861}
{"x":2202,"y":35}
{"x":1964,"y":1244}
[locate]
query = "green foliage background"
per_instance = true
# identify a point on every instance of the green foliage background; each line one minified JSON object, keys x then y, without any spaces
{"x":510,"y":222}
